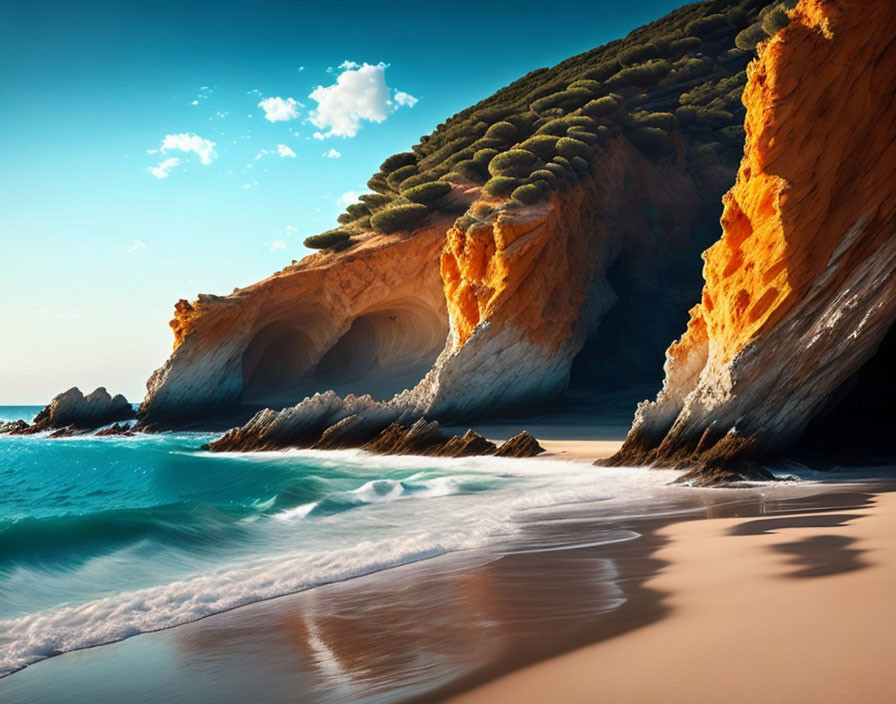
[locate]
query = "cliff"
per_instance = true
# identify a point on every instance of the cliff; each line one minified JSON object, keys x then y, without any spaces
{"x":543,"y":239}
{"x":800,"y":291}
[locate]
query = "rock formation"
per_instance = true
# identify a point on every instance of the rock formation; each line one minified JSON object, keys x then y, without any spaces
{"x":72,"y":413}
{"x":800,"y":290}
{"x":575,"y":262}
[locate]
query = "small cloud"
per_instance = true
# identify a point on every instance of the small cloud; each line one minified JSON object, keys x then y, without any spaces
{"x":195,"y":102}
{"x":331,"y":154}
{"x":280,"y":110}
{"x":277,"y":245}
{"x":349,"y":197}
{"x":185,"y":142}
{"x":163,"y":168}
{"x":247,"y":186}
{"x":301,"y":68}
{"x":402,"y":98}
{"x":285,"y":151}
{"x":359,"y":94}
{"x":136,"y":247}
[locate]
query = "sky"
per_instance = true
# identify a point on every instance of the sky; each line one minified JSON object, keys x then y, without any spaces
{"x":153,"y":151}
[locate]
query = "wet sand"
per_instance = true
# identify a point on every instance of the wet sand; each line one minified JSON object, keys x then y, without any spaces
{"x":795,"y":608}
{"x":440,"y":627}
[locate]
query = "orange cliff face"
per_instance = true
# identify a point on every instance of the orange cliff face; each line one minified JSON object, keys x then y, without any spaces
{"x":799,"y":290}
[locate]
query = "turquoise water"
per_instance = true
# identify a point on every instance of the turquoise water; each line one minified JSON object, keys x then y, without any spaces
{"x":103,"y":538}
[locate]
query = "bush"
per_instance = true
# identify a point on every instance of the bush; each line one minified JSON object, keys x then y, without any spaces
{"x":638,"y":54}
{"x":569,"y":148}
{"x":642,"y":75}
{"x":500,"y":185}
{"x":593,"y":87}
{"x":664,"y":120}
{"x":545,"y":175}
{"x":397,"y":177}
{"x":775,"y":19}
{"x":579,"y":165}
{"x":686,"y":115}
{"x":714,"y":118}
{"x":328,"y":240}
{"x":528,"y":193}
{"x":483,"y":157}
{"x":374,"y":201}
{"x":472,"y":170}
{"x":541,"y":145}
{"x":417,"y":180}
{"x":561,"y":173}
{"x":705,"y":27}
{"x":602,"y":106}
{"x":748,"y":38}
{"x":515,"y":162}
{"x":560,"y":125}
{"x":504,"y":131}
{"x":582,"y":134}
{"x":378,"y":183}
{"x":428,"y":193}
{"x":567,"y":99}
{"x":685,"y":45}
{"x":396,"y":161}
{"x":399,"y":217}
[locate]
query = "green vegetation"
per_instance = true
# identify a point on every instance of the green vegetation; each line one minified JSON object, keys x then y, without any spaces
{"x":428,"y":193}
{"x":671,"y":87}
{"x":334,"y":239}
{"x":399,"y":217}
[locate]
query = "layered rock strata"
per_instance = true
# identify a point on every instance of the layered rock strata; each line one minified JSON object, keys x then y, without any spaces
{"x":800,"y":290}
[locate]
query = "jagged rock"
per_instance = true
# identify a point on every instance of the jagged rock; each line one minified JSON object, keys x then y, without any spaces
{"x":421,"y":438}
{"x":305,"y":424}
{"x":117,"y":429}
{"x":468,"y":445}
{"x":800,"y":290}
{"x":520,"y":445}
{"x":73,"y":408}
{"x":13,"y":427}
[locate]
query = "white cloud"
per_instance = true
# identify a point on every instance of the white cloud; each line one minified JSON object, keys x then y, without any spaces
{"x":164,"y":168}
{"x":402,"y":98}
{"x":278,"y":244}
{"x":285,"y":151}
{"x":331,"y":154}
{"x":359,"y":93}
{"x":195,"y":102}
{"x":184,"y":142}
{"x":136,"y":247}
{"x":280,"y":110}
{"x":349,"y":197}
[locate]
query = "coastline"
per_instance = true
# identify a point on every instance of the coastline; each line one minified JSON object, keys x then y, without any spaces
{"x":805,"y":600}
{"x":430,"y":629}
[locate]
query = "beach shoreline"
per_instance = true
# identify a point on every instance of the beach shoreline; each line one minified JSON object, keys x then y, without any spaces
{"x":803,"y":599}
{"x":434,"y":628}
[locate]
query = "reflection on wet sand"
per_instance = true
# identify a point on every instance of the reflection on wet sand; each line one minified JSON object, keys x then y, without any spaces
{"x":432,"y":628}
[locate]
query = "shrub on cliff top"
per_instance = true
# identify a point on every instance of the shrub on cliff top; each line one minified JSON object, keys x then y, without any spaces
{"x":396,"y":161}
{"x":529,"y":193}
{"x":542,"y":145}
{"x":427,"y":193}
{"x":398,"y":176}
{"x":399,"y":217}
{"x":328,"y":240}
{"x":500,"y":185}
{"x":505,"y":131}
{"x":569,"y":148}
{"x":515,"y":162}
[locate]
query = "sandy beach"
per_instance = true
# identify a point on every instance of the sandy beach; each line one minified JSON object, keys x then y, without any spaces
{"x":773,"y":609}
{"x":790,"y":577}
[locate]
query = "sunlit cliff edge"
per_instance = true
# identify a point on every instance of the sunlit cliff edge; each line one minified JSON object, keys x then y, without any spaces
{"x":787,"y":342}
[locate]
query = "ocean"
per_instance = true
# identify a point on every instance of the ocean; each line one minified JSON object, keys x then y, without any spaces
{"x":105,"y":538}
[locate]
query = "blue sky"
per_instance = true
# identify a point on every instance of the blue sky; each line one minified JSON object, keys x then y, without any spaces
{"x":101,"y":231}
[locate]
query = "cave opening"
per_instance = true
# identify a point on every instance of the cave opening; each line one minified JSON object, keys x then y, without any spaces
{"x":381,"y":353}
{"x":859,"y":421}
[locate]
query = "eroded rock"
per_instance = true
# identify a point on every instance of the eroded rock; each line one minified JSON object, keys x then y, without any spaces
{"x":520,"y":445}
